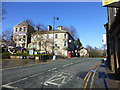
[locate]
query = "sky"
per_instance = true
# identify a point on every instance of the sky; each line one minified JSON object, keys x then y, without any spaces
{"x":88,"y":18}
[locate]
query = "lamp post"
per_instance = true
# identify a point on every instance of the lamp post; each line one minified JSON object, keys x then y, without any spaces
{"x":55,"y":18}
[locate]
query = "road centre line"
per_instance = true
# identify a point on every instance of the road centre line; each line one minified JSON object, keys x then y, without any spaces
{"x":53,"y":69}
{"x":64,"y":66}
{"x":67,"y":65}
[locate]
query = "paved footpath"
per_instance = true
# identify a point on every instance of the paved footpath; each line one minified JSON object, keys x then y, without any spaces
{"x":104,"y":79}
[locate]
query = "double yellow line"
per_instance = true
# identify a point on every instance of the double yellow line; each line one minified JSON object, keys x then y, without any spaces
{"x":88,"y":75}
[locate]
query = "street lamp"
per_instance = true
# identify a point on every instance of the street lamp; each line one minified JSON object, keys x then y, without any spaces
{"x":55,"y":18}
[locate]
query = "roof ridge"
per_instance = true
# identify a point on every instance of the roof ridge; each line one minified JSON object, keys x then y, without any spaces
{"x":24,"y":22}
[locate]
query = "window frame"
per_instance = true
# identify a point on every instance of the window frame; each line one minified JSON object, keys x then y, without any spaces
{"x":47,"y":36}
{"x":55,"y":43}
{"x":56,"y":35}
{"x":65,"y":35}
{"x":16,"y":29}
{"x":24,"y":29}
{"x":20,"y":29}
{"x":65,"y":43}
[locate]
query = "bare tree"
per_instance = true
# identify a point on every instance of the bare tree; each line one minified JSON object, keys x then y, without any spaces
{"x":2,"y":13}
{"x":78,"y":44}
{"x":47,"y":43}
{"x":7,"y":37}
{"x":30,"y":22}
{"x":94,"y":52}
{"x":39,"y":38}
{"x":71,"y":30}
{"x":40,"y":27}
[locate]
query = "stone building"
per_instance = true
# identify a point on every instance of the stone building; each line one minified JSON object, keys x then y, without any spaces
{"x":58,"y":41}
{"x":113,"y":37}
{"x":83,"y":52}
{"x":22,"y":34}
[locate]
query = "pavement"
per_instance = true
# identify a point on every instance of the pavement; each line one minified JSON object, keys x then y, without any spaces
{"x":105,"y":79}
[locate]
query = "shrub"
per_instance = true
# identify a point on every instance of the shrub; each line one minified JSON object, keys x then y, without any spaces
{"x":6,"y":55}
{"x":20,"y":54}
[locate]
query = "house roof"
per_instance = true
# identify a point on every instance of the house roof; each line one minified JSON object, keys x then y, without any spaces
{"x":83,"y":48}
{"x":51,"y":32}
{"x":25,"y":22}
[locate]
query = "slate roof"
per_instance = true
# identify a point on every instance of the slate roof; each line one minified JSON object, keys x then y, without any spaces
{"x":25,"y":22}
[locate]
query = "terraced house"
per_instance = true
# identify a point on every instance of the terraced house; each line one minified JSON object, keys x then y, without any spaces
{"x":58,"y":41}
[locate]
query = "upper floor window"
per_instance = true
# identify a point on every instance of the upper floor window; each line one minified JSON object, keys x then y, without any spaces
{"x":56,"y":43}
{"x":20,"y":39}
{"x":15,"y":39}
{"x":47,"y":44}
{"x":47,"y":37}
{"x":23,"y":39}
{"x":64,"y":35}
{"x":65,"y":43}
{"x":56,"y":36}
{"x":23,"y":36}
{"x":16,"y":29}
{"x":20,"y":29}
{"x":24,"y":29}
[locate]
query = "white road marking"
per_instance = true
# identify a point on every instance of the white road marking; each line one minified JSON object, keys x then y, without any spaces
{"x":49,"y":70}
{"x":64,"y":66}
{"x":58,"y":78}
{"x":63,"y":77}
{"x":70,"y":63}
{"x":33,"y":75}
{"x":67,"y":64}
{"x":53,"y":83}
{"x":52,"y":69}
{"x":11,"y":87}
{"x":17,"y":81}
{"x":21,"y":79}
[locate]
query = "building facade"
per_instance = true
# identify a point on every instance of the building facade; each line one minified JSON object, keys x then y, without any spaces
{"x":22,"y":34}
{"x":58,"y":41}
{"x":113,"y":39}
{"x":83,"y":52}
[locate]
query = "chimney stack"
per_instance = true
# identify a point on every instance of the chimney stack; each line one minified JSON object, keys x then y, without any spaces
{"x":59,"y":27}
{"x":38,"y":28}
{"x":49,"y":27}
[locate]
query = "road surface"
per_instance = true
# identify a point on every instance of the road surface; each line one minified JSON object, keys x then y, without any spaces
{"x":66,"y":73}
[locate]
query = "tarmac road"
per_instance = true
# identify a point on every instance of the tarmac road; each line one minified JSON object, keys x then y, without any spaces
{"x":67,"y":73}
